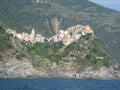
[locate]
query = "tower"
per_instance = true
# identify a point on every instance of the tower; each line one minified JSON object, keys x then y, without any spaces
{"x":33,"y":32}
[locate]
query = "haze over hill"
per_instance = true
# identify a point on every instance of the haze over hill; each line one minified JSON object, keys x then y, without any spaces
{"x":115,"y":5}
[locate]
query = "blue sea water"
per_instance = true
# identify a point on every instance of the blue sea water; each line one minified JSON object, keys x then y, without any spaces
{"x":58,"y":84}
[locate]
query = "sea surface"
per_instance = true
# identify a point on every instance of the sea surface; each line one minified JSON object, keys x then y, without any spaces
{"x":58,"y":84}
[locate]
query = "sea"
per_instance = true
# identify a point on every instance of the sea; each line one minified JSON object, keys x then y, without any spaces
{"x":58,"y":84}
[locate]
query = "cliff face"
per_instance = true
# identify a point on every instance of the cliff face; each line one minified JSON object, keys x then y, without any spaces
{"x":10,"y":67}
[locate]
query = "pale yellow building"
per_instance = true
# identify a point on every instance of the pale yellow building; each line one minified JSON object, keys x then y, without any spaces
{"x":88,"y":30}
{"x":11,"y":32}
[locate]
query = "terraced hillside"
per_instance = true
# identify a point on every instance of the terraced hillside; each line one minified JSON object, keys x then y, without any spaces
{"x":4,"y":41}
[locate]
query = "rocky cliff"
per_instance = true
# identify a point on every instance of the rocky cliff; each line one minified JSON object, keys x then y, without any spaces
{"x":10,"y":67}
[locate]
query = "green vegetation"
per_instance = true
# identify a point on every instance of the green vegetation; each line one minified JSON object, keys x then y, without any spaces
{"x":47,"y":50}
{"x":84,"y":53}
{"x":80,"y":69}
{"x":41,"y":63}
{"x":4,"y":42}
{"x":90,"y":53}
{"x":20,"y":56}
{"x":88,"y":56}
{"x":93,"y":62}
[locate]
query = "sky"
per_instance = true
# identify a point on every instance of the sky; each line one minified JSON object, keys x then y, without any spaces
{"x":113,"y":4}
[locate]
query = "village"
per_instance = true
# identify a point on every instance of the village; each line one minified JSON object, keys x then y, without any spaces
{"x":40,"y":1}
{"x":67,"y":36}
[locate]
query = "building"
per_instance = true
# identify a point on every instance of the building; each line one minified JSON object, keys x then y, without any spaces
{"x":11,"y":32}
{"x":33,"y":32}
{"x":67,"y":36}
{"x":88,"y":29}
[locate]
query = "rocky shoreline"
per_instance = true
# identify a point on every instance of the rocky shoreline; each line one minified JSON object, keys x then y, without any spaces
{"x":13,"y":68}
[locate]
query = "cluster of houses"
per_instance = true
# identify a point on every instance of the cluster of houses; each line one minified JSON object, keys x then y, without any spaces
{"x":40,"y":1}
{"x":33,"y":38}
{"x":71,"y":34}
{"x":67,"y":36}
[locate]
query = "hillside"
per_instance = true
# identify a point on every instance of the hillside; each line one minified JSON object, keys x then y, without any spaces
{"x":84,"y":58}
{"x":4,"y":41}
{"x":105,"y":23}
{"x":48,"y":17}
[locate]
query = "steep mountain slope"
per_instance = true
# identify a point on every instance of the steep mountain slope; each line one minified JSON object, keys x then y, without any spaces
{"x":23,"y":15}
{"x":105,"y":23}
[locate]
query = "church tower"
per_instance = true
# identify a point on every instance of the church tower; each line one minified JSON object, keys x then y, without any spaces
{"x":33,"y":32}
